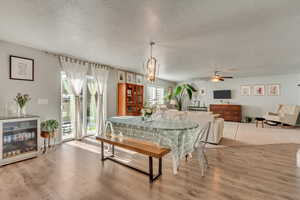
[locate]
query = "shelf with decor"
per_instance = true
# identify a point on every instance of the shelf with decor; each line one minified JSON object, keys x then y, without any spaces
{"x":130,"y":99}
{"x":19,"y":138}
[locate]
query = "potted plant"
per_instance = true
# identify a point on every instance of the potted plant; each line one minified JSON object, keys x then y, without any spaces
{"x":248,"y":119}
{"x":21,"y":101}
{"x":180,"y":93}
{"x":48,"y":130}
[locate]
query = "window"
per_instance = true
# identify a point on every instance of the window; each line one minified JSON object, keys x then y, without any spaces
{"x":155,"y":95}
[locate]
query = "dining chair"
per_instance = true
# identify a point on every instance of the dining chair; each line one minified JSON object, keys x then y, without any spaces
{"x":200,"y":146}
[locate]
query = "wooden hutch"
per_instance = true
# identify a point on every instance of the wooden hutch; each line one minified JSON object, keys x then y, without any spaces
{"x":130,"y":99}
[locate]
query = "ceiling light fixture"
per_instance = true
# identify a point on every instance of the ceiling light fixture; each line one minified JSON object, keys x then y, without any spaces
{"x":215,"y":79}
{"x":151,"y":68}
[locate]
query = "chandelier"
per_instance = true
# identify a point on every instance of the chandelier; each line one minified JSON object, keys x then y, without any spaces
{"x":151,"y":68}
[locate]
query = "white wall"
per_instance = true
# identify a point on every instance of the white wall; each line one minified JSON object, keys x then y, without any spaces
{"x":255,"y":105}
{"x":45,"y":86}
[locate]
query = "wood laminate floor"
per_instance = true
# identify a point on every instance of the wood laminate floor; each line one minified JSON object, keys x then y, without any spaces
{"x":264,"y":172}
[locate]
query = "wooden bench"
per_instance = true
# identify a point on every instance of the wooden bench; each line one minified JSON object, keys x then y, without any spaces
{"x":146,"y":148}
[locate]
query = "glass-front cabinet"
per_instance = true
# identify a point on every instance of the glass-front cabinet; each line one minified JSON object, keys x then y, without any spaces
{"x":19,"y":138}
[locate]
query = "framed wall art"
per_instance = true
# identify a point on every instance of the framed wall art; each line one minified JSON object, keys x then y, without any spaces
{"x":121,"y":77}
{"x":21,"y":68}
{"x":139,"y":79}
{"x":130,"y":77}
{"x":259,"y":90}
{"x":273,"y":89}
{"x":202,"y":92}
{"x":245,"y":90}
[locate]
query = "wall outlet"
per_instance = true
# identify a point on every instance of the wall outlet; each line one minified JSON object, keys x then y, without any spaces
{"x":42,"y":101}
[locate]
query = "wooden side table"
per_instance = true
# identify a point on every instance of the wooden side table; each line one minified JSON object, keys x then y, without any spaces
{"x":47,"y":138}
{"x":261,"y":120}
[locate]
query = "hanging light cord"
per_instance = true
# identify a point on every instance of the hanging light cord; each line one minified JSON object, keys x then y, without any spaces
{"x":151,"y":46}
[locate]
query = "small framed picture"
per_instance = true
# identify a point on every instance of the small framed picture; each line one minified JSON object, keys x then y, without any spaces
{"x":202,"y":92}
{"x":259,"y":90}
{"x":130,"y":77}
{"x":273,"y":89}
{"x":121,"y":77}
{"x":245,"y":90}
{"x":21,"y":68}
{"x":139,"y":79}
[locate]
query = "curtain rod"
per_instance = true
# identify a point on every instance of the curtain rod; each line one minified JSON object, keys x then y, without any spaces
{"x":108,"y":66}
{"x":79,"y":59}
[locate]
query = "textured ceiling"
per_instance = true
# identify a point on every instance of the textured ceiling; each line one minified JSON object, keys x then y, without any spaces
{"x":194,"y":37}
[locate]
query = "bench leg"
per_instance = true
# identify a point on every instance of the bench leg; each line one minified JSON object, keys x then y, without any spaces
{"x":113,"y":150}
{"x":151,"y":178}
{"x":149,"y":174}
{"x":150,"y":169}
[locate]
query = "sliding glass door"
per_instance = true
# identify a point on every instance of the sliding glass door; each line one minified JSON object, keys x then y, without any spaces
{"x":67,"y":109}
{"x":88,"y":109}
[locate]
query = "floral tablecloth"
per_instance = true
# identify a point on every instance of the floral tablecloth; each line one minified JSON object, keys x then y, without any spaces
{"x":178,"y":135}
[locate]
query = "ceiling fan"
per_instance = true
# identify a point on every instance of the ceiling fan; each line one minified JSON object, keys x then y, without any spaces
{"x":217,"y":77}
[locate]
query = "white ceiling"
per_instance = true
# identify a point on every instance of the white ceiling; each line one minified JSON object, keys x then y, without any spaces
{"x":194,"y":37}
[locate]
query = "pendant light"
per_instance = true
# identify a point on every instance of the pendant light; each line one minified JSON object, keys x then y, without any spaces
{"x":151,"y":67}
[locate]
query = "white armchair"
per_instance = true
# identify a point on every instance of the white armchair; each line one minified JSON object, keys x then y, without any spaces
{"x":286,"y":114}
{"x":216,"y":126}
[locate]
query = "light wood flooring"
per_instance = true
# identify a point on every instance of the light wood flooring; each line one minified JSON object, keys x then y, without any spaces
{"x":265,"y":172}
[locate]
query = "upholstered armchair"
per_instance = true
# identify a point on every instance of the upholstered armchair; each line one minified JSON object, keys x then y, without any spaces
{"x":216,"y":125}
{"x":286,"y":114}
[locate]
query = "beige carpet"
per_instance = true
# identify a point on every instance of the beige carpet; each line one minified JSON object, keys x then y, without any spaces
{"x":237,"y":134}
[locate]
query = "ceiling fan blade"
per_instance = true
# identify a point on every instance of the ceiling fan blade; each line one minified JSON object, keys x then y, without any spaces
{"x":204,"y":78}
{"x":221,"y":79}
{"x":226,"y":76}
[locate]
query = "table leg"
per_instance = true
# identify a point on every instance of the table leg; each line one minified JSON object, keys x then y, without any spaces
{"x":45,"y":146}
{"x":160,"y":166}
{"x":102,"y":151}
{"x":49,"y":141}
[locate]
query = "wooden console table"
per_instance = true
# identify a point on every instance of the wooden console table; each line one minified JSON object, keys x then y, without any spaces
{"x":228,"y":112}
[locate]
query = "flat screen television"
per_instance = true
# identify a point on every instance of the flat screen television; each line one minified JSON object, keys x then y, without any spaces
{"x":222,"y":94}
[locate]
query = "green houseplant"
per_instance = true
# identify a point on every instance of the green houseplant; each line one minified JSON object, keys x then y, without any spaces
{"x":49,"y":126}
{"x":48,"y":130}
{"x":180,"y":93}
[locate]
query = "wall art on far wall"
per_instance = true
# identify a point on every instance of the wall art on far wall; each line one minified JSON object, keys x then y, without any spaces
{"x":202,"y":92}
{"x":21,"y":68}
{"x":259,"y":90}
{"x":121,"y":77}
{"x":130,"y":77}
{"x":274,"y":89}
{"x":245,"y":90}
{"x":139,"y":79}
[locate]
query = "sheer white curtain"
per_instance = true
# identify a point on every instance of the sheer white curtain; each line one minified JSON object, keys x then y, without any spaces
{"x":100,"y":74}
{"x":92,"y":87}
{"x":76,"y":72}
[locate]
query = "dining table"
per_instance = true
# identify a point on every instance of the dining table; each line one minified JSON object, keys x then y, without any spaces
{"x":178,"y":135}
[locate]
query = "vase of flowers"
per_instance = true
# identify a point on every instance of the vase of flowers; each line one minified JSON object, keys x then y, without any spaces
{"x":21,"y":101}
{"x":147,"y":112}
